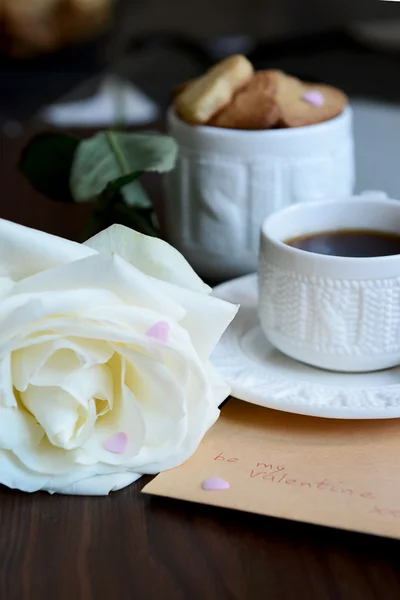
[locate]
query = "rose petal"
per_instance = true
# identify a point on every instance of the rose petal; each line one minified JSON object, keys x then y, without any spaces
{"x":18,"y":428}
{"x":98,"y":485}
{"x":93,"y":382}
{"x":29,"y":251}
{"x":55,"y":470}
{"x":6,"y":286}
{"x":150,"y":255}
{"x":15,"y":475}
{"x":66,"y":422}
{"x":206,"y":317}
{"x":7,"y":396}
{"x":80,"y":327}
{"x":159,"y":391}
{"x":126,"y":416}
{"x":181,"y":422}
{"x":201,"y":411}
{"x":50,"y":362}
{"x":20,"y":314}
{"x":117,"y":277}
{"x":34,"y":365}
{"x":220,"y":390}
{"x":47,"y":459}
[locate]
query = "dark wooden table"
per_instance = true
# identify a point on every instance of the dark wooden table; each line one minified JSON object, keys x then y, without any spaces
{"x":131,"y":546}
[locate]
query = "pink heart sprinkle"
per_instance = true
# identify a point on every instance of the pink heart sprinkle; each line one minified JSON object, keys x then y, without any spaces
{"x":159,"y":331}
{"x":313,"y":97}
{"x":214,"y":484}
{"x":117,"y":443}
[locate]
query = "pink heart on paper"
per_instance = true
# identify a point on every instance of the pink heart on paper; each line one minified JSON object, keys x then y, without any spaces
{"x":159,"y":331}
{"x":313,"y":97}
{"x":214,"y":484}
{"x":117,"y":443}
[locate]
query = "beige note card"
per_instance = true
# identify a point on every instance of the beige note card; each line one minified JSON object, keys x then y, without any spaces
{"x":343,"y":474}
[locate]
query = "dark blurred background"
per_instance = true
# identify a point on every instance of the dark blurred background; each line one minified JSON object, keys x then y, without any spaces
{"x":63,"y":51}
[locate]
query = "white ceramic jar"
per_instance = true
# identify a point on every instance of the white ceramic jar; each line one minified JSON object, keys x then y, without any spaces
{"x":228,"y":181}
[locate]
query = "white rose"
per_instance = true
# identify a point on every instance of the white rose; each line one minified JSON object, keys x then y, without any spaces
{"x":104,"y":370}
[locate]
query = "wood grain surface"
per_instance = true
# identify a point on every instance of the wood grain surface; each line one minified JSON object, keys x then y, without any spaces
{"x":131,"y":546}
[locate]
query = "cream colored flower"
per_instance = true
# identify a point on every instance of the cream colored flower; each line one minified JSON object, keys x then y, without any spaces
{"x":104,"y":370}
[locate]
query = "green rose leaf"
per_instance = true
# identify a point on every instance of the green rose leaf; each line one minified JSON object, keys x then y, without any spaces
{"x":135,"y":196}
{"x":104,"y":169}
{"x":108,"y":213}
{"x":47,"y":161}
{"x":110,"y":161}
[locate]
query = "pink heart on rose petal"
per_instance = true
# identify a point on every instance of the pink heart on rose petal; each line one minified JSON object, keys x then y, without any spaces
{"x":214,"y":484}
{"x":313,"y":97}
{"x":117,"y":443}
{"x":159,"y":331}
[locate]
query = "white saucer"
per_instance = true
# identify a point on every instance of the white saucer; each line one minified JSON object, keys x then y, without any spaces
{"x":262,"y":375}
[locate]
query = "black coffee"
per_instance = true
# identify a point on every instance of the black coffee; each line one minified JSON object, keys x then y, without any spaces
{"x":357,"y":243}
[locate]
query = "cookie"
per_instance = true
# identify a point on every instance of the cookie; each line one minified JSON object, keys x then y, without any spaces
{"x":205,"y":96}
{"x":306,"y":103}
{"x":178,"y":89}
{"x":252,"y":107}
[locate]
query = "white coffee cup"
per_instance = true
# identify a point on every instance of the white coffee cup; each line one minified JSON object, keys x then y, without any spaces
{"x":338,"y":313}
{"x":227,"y":181}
